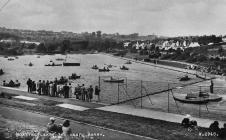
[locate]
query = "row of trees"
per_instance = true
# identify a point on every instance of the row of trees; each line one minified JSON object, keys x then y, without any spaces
{"x":77,"y":45}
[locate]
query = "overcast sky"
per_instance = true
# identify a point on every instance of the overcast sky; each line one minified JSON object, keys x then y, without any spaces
{"x":162,"y":17}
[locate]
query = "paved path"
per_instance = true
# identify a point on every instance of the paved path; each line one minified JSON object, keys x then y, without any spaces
{"x":42,"y":120}
{"x":147,"y":113}
{"x":68,"y":101}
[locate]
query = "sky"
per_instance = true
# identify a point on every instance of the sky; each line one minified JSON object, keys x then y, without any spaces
{"x":160,"y":17}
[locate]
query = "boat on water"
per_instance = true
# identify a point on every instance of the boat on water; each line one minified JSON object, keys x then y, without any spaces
{"x":16,"y":57}
{"x":184,"y":78}
{"x":1,"y":72}
{"x":198,"y":98}
{"x":62,"y":80}
{"x":128,"y":62}
{"x":30,"y":64}
{"x":53,"y":65}
{"x":95,"y":67}
{"x":74,"y":76}
{"x":60,"y":59}
{"x":38,"y":56}
{"x":5,"y":56}
{"x":11,"y":84}
{"x":70,"y":64}
{"x":124,"y":68}
{"x":10,"y":59}
{"x":113,"y":80}
{"x":104,"y":70}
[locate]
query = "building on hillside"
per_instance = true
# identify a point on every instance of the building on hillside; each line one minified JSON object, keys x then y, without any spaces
{"x":194,"y":44}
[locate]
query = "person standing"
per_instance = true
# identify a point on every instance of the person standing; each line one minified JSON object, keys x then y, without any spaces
{"x":66,"y":91}
{"x":211,"y":86}
{"x":43,"y":87}
{"x":29,"y":83}
{"x":39,"y":87}
{"x":47,"y":87}
{"x":34,"y":87}
{"x":97,"y":93}
{"x":51,"y":89}
{"x":90,"y":93}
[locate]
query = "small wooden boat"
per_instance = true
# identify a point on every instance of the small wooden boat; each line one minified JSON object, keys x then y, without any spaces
{"x":114,"y":80}
{"x":197,"y":98}
{"x":104,"y":70}
{"x":70,"y":64}
{"x":5,"y":56}
{"x":38,"y":56}
{"x":62,"y":80}
{"x":52,"y":65}
{"x":128,"y":62}
{"x":10,"y":59}
{"x":11,"y":84}
{"x":124,"y":68}
{"x":74,"y":76}
{"x":16,"y":57}
{"x":192,"y":100}
{"x":30,"y":64}
{"x":95,"y":67}
{"x":60,"y":59}
{"x":184,"y":78}
{"x":1,"y":72}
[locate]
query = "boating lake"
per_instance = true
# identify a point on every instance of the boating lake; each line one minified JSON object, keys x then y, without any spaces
{"x":154,"y":78}
{"x":18,"y":69}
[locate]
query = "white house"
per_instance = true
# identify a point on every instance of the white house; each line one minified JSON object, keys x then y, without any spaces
{"x":194,"y":44}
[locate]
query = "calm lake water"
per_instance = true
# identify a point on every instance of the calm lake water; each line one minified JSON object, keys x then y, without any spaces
{"x":19,"y":70}
{"x":158,"y":78}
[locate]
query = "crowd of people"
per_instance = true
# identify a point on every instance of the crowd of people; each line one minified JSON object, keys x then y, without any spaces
{"x":213,"y":128}
{"x":54,"y":89}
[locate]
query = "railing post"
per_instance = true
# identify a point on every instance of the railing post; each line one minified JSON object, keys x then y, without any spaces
{"x":200,"y":90}
{"x":99,"y":82}
{"x":141,"y":104}
{"x":118,"y":92}
{"x":168,"y":97}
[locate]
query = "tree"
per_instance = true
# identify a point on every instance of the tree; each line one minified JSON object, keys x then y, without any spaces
{"x":41,"y":48}
{"x":98,"y":33}
{"x":220,"y":50}
{"x":65,"y":46}
{"x":93,"y":34}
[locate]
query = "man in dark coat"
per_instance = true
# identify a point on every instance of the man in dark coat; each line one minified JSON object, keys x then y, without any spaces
{"x":66,"y":91}
{"x":29,"y":85}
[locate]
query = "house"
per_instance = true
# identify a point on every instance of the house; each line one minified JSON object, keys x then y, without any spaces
{"x":194,"y":44}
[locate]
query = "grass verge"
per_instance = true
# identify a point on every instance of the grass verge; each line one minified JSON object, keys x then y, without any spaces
{"x":137,"y":125}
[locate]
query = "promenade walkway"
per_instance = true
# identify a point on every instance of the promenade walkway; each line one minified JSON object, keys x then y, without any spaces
{"x":123,"y":109}
{"x":147,"y":113}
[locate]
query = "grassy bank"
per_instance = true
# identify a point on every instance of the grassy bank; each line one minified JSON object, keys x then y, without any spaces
{"x":137,"y":125}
